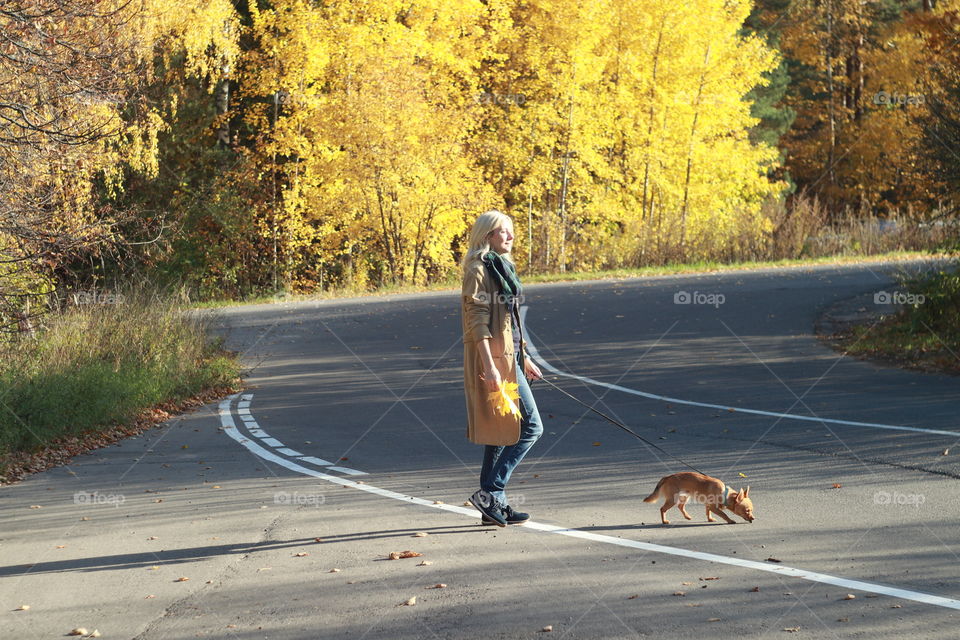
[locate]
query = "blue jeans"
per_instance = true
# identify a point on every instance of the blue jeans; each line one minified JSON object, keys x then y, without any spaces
{"x":500,"y":461}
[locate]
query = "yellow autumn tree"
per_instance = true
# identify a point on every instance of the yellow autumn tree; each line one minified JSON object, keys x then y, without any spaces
{"x":623,"y":125}
{"x":73,"y":119}
{"x":363,"y":143}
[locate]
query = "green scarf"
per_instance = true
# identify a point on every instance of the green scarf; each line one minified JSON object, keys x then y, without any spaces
{"x":505,"y":274}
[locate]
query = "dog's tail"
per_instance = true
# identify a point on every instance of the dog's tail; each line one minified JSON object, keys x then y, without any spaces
{"x":653,"y":497}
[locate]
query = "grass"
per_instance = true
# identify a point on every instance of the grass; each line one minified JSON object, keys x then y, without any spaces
{"x":93,"y":367}
{"x":923,"y":335}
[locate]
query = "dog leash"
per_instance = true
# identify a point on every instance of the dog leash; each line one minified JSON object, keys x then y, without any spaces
{"x":621,"y":425}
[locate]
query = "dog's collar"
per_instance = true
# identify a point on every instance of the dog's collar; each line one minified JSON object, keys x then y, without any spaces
{"x":726,"y":494}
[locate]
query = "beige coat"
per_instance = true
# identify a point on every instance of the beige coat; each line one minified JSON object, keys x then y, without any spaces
{"x":485,"y":316}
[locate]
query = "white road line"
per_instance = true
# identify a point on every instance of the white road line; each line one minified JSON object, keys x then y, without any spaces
{"x":348,"y":471}
{"x":226,"y":421}
{"x":243,"y":407}
{"x":532,"y":350}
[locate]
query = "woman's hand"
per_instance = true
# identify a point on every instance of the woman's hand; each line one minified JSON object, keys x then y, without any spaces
{"x":533,"y":371}
{"x":491,"y":378}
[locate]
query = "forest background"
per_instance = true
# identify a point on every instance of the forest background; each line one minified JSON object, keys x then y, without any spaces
{"x":241,"y":148}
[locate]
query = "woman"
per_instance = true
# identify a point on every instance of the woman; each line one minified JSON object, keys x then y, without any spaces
{"x":493,"y":349}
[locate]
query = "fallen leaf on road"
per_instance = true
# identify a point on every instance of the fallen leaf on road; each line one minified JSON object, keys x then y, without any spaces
{"x":711,"y":578}
{"x":438,"y":502}
{"x":397,"y":555}
{"x":439,"y":585}
{"x":420,"y":534}
{"x":791,"y":629}
{"x":409,"y":603}
{"x":23,"y":607}
{"x":896,"y":606}
{"x":849,"y":596}
{"x":713,"y":619}
{"x":742,"y":475}
{"x":300,"y":554}
{"x":79,"y":631}
{"x":679,"y":593}
{"x":843,"y":619}
{"x":153,"y":568}
{"x":216,"y":486}
{"x":547,"y":629}
{"x":687,"y":584}
{"x":181,"y":579}
{"x":771,"y":559}
{"x":837,"y":485}
{"x":61,"y":546}
{"x":94,"y":634}
{"x":755,"y":590}
{"x":945,"y":452}
{"x":152,"y":538}
{"x":633,"y":597}
{"x":596,"y":444}
{"x":334,"y":570}
{"x":425,"y":563}
{"x":35,"y":506}
{"x":149,"y":596}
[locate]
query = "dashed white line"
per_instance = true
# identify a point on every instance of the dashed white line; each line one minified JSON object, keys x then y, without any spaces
{"x":317,"y":461}
{"x":243,"y":410}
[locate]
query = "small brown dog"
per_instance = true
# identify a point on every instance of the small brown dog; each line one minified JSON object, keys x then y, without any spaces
{"x":681,"y":487}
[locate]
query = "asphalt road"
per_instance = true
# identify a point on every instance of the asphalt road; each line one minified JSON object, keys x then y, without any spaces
{"x":350,"y":441}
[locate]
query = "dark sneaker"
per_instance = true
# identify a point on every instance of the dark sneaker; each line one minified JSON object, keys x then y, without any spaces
{"x":512,"y":517}
{"x":485,"y":504}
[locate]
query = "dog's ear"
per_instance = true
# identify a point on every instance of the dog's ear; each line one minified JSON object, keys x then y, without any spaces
{"x":740,"y":495}
{"x":747,"y":492}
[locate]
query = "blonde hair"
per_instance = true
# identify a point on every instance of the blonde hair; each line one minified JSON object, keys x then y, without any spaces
{"x":478,"y":243}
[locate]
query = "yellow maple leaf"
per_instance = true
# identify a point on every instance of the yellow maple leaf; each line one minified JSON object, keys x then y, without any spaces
{"x":503,"y":399}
